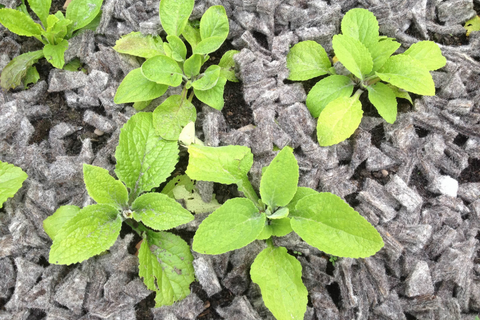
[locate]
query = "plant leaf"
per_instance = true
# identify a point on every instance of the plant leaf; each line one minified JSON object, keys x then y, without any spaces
{"x":213,"y":97}
{"x":327,"y":90}
{"x":179,"y":51}
{"x":361,"y":25}
{"x":301,"y":193}
{"x":19,"y":23}
{"x":279,"y":181}
{"x":165,"y":264}
{"x":472,"y":25}
{"x":32,"y":76}
{"x":162,"y":70}
{"x":328,"y":223}
{"x":228,"y":65}
{"x":193,"y":201}
{"x":91,"y":231}
{"x":172,"y":115}
{"x":405,"y":72}
{"x":82,"y":12}
{"x":41,"y":9}
{"x":232,"y":226}
{"x":339,"y":120}
{"x":279,"y":276}
{"x":103,"y":188}
{"x":208,"y":45}
{"x":192,"y":35}
{"x":53,"y":224}
{"x":140,"y":105}
{"x":160,"y":212}
{"x":208,"y":80}
{"x":11,"y":179}
{"x":353,"y":54}
{"x":400,"y":93}
{"x":174,"y":15}
{"x":428,"y":53}
{"x":16,"y":69}
{"x":192,"y":65}
{"x":276,"y":227}
{"x":384,"y":100}
{"x":135,"y":87}
{"x":382,"y":51}
{"x":279,"y":214}
{"x":214,"y":30}
{"x":227,"y":165}
{"x":136,"y":44}
{"x":144,"y":159}
{"x":307,"y":60}
{"x":55,"y":53}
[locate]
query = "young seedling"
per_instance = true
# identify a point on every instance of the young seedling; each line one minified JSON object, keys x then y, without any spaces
{"x":167,"y":65}
{"x":11,"y":179}
{"x":368,"y":60}
{"x":323,"y":220}
{"x":144,"y":161}
{"x":53,"y":32}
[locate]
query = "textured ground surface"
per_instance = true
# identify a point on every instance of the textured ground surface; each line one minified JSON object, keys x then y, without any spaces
{"x":417,"y":181}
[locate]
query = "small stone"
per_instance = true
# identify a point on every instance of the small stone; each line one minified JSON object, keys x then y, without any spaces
{"x":384,"y":173}
{"x":98,"y":132}
{"x":419,"y":282}
{"x":206,"y":276}
{"x":445,"y":185}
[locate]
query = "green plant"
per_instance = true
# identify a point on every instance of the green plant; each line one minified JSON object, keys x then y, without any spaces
{"x":56,"y":30}
{"x":167,"y":65}
{"x":323,"y":220}
{"x":368,"y":60}
{"x":472,"y":25}
{"x":144,"y":161}
{"x":11,"y":179}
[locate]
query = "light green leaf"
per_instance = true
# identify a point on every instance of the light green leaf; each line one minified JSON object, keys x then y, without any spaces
{"x":276,"y":228}
{"x":187,"y":136}
{"x":41,"y":9}
{"x":227,"y":165}
{"x":214,"y":27}
{"x":19,"y":23}
{"x":405,"y":72}
{"x":361,"y":25}
{"x":53,"y":224}
{"x":353,"y":54}
{"x":11,"y":179}
{"x":193,"y":201}
{"x":51,"y":21}
{"x":472,"y":25}
{"x":135,"y":87}
{"x":144,"y":159}
{"x":307,"y":60}
{"x":192,"y":65}
{"x":16,"y":69}
{"x":339,"y":120}
{"x":32,"y":76}
{"x":55,"y":53}
{"x":301,"y":193}
{"x":232,"y":226}
{"x":382,"y":51}
{"x":179,"y":51}
{"x":160,"y":212}
{"x":279,"y":276}
{"x":103,"y":188}
{"x":428,"y":53}
{"x":165,"y":264}
{"x":136,"y":44}
{"x":208,"y":80}
{"x":327,"y":90}
{"x":91,"y":231}
{"x":172,"y":115}
{"x":163,"y":70}
{"x":181,"y":180}
{"x":140,"y":105}
{"x":92,"y":25}
{"x":279,"y":182}
{"x":328,"y":223}
{"x":400,"y":93}
{"x":174,"y":15}
{"x":56,"y":30}
{"x":208,"y":45}
{"x":228,"y":65}
{"x":279,"y":214}
{"x":213,"y":97}
{"x":384,"y":100}
{"x":82,"y":12}
{"x":192,"y":35}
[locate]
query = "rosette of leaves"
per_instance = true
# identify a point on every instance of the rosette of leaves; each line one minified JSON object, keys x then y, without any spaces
{"x":54,"y":32}
{"x":11,"y":179}
{"x":322,"y":219}
{"x":167,"y":65}
{"x":370,"y":66}
{"x":144,"y":161}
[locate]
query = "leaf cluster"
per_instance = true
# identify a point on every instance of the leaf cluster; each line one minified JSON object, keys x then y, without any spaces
{"x":53,"y":31}
{"x":167,"y":65}
{"x":11,"y":179}
{"x":323,"y":220}
{"x":369,"y":64}
{"x":144,"y":161}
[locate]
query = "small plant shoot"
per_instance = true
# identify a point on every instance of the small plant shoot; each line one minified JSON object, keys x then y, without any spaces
{"x":144,"y":161}
{"x":11,"y":179}
{"x":167,"y":65}
{"x":322,"y":219}
{"x":371,"y":66}
{"x":54,"y":32}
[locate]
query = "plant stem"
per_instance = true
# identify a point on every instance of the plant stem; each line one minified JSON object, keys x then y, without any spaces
{"x":269,"y":242}
{"x":357,"y":94}
{"x":247,"y":189}
{"x":190,"y":98}
{"x":137,"y":227}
